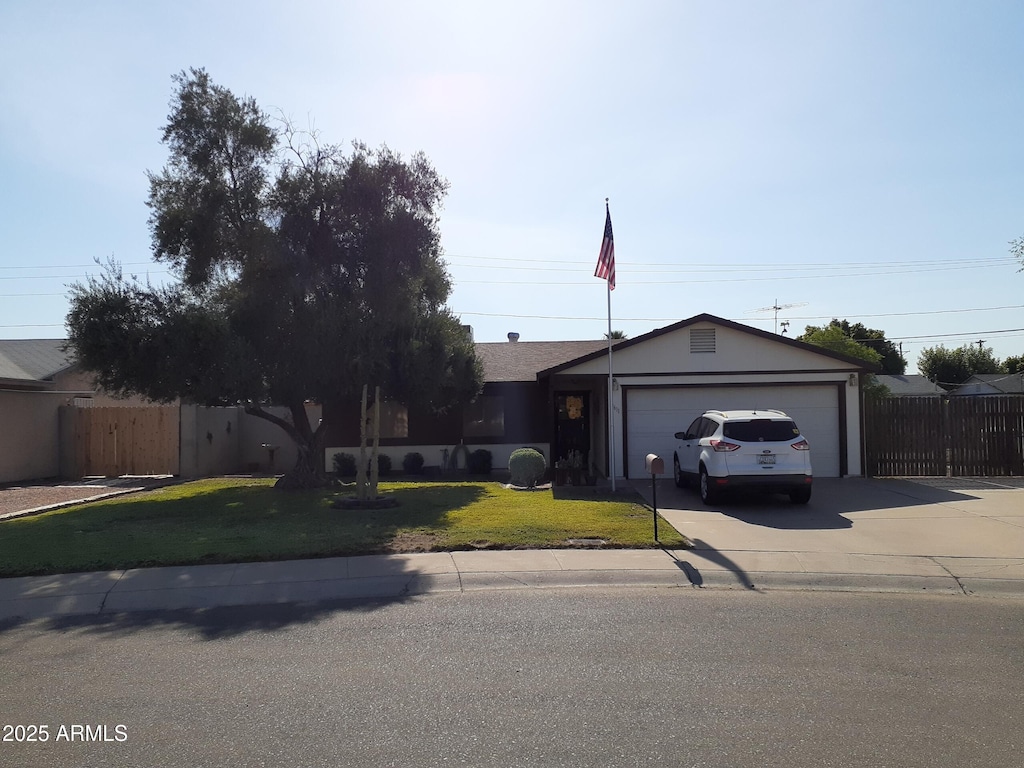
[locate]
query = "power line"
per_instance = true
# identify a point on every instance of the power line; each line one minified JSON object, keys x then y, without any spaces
{"x":723,"y":280}
{"x":68,"y":277}
{"x":954,"y":335}
{"x":73,"y":266}
{"x":804,"y":317}
{"x":745,"y":265}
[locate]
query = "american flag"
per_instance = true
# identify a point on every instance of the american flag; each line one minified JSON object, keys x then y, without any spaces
{"x":606,"y":259}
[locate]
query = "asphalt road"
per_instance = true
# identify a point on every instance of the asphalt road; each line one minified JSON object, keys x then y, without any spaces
{"x":583,"y":677}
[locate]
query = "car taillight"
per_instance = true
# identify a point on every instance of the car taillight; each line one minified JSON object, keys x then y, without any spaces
{"x":724,"y":447}
{"x":801,"y":445}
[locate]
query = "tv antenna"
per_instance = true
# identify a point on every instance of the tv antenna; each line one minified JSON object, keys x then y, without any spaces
{"x":776,"y":307}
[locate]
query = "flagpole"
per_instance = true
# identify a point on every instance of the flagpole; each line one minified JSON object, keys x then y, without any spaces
{"x":606,"y":271}
{"x":611,"y":401}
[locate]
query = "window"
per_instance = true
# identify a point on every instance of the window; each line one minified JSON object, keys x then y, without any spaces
{"x":484,"y":417}
{"x":761,"y":431}
{"x":693,"y":431}
{"x":394,"y":420}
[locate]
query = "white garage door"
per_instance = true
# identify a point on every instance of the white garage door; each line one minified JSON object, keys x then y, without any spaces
{"x":653,"y":416}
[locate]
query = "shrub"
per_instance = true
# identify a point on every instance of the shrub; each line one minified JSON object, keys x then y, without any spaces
{"x":479,"y":462}
{"x":344,"y":465}
{"x":412,"y":464}
{"x":527,"y":466}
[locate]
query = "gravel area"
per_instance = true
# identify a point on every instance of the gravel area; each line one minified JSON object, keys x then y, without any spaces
{"x":18,"y":498}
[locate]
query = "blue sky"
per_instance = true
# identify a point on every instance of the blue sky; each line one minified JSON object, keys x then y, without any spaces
{"x":860,"y":160}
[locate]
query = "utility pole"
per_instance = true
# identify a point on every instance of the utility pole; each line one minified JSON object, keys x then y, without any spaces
{"x":981,"y":344}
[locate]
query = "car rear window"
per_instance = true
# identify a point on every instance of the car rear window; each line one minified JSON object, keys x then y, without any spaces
{"x":760,"y":431}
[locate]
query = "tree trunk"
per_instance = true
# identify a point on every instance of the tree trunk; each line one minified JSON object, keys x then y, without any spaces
{"x":308,"y":471}
{"x":361,"y":465}
{"x":374,"y":465}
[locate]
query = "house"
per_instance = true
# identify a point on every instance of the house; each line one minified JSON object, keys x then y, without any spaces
{"x":991,"y":384}
{"x":37,"y":377}
{"x":32,"y":364}
{"x":910,"y":385}
{"x":32,"y":381}
{"x":43,"y":365}
{"x":554,"y":396}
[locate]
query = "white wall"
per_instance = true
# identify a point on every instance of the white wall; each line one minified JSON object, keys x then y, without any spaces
{"x":224,"y":440}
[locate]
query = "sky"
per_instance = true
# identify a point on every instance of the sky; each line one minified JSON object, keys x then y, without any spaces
{"x":849,"y":159}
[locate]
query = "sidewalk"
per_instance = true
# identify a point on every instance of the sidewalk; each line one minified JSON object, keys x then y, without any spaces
{"x":402,"y":576}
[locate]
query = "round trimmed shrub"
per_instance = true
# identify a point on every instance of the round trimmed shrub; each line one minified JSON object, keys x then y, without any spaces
{"x":479,"y":462}
{"x":344,"y":465}
{"x":527,"y":467}
{"x":412,"y":464}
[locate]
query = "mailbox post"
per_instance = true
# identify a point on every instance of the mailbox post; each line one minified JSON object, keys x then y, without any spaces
{"x":655,"y":466}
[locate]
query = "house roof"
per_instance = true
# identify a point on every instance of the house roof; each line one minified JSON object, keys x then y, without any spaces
{"x":706,"y":318}
{"x":506,"y":361}
{"x":33,"y":360}
{"x":1004,"y":383}
{"x":912,"y":385}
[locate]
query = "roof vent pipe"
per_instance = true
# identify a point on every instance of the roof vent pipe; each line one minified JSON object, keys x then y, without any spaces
{"x":513,"y":336}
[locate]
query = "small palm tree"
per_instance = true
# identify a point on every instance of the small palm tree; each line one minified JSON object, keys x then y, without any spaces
{"x":616,"y":335}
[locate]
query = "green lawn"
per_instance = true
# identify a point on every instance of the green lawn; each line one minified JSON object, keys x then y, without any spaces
{"x":239,"y":520}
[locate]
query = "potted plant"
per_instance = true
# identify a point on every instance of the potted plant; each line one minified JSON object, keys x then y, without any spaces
{"x":576,"y":467}
{"x":561,"y":471}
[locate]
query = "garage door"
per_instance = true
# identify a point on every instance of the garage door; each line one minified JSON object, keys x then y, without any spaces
{"x":653,"y":416}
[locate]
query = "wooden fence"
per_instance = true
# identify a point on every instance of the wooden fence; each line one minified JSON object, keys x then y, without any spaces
{"x":121,"y":441}
{"x":935,"y":436}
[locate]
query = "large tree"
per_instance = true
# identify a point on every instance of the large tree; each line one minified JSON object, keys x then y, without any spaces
{"x":889,"y":356}
{"x":951,"y":367}
{"x":1014,"y":364}
{"x":304,"y":272}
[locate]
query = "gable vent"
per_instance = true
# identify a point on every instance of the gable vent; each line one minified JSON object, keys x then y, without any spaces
{"x":702,"y":340}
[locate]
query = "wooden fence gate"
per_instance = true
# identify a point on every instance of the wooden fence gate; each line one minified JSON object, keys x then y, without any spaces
{"x":118,"y":441}
{"x":937,"y":436}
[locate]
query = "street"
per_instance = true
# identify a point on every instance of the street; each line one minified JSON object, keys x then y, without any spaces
{"x":561,"y":677}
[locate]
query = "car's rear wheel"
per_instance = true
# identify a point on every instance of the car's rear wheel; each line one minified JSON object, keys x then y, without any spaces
{"x":708,"y":492}
{"x":800,"y":495}
{"x":677,"y":473}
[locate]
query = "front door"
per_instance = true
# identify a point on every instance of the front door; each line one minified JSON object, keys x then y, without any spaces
{"x":572,"y":427}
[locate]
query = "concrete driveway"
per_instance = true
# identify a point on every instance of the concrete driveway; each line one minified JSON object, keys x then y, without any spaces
{"x":969,"y":528}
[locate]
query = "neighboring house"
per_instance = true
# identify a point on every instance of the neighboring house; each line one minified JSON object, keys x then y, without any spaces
{"x":30,"y":395}
{"x":991,"y":384}
{"x":32,"y":364}
{"x":42,"y":365}
{"x":37,"y":377}
{"x":911,"y":385}
{"x":554,"y":396}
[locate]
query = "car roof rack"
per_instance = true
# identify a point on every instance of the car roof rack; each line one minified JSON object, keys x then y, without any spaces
{"x":751,"y":411}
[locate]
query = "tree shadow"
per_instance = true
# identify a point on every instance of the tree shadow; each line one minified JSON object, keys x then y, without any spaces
{"x":207,"y":623}
{"x":221,"y":525}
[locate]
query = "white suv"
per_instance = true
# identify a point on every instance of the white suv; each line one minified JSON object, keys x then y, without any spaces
{"x":744,"y":449}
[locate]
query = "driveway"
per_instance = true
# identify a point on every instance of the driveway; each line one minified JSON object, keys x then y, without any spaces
{"x":962,"y":526}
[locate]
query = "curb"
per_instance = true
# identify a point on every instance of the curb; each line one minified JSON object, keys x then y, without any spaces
{"x":106,"y":594}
